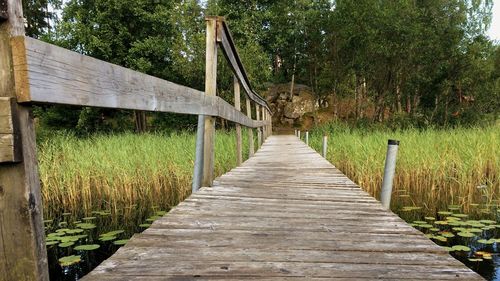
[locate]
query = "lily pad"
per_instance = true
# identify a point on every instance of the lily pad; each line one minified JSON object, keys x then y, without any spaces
{"x":445,"y":213}
{"x":107,"y":238}
{"x":121,"y":242}
{"x":430,"y":218}
{"x":52,"y":242}
{"x":145,"y":225}
{"x":447,"y":234}
{"x":86,"y":225}
{"x":460,"y":248}
{"x":460,"y":215}
{"x":69,"y":260}
{"x":440,"y":238}
{"x":88,"y":218}
{"x":466,"y":234}
{"x":486,"y":242}
{"x":89,"y":247}
{"x":66,"y":244}
{"x":475,"y":230}
{"x":474,"y":260}
{"x":113,"y":233}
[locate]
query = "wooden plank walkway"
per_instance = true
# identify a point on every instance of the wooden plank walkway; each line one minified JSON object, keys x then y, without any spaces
{"x":285,"y":214}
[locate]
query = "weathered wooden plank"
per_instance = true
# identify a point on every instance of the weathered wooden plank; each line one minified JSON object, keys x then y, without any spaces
{"x":285,"y":214}
{"x":22,"y":242}
{"x":287,"y":269}
{"x":229,"y":50}
{"x":210,"y":91}
{"x":45,"y":73}
{"x":251,"y":150}
{"x":10,"y":141}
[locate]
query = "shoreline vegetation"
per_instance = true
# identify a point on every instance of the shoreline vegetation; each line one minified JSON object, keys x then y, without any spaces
{"x":113,"y":172}
{"x":435,"y":167}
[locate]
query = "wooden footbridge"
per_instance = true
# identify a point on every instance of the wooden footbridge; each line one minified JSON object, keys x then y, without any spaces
{"x":285,"y":214}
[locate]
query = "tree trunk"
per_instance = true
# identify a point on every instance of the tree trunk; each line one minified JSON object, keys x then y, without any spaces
{"x":140,"y":121}
{"x":408,"y":104}
{"x":364,"y":93}
{"x":398,"y":99}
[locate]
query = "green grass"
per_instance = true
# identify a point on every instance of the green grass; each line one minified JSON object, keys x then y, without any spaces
{"x":435,"y":168}
{"x":113,"y":172}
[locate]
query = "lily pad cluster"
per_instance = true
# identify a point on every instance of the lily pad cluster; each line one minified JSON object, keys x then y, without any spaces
{"x":477,"y":240}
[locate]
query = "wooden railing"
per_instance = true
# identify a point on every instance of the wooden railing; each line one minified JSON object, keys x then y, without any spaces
{"x":35,"y":72}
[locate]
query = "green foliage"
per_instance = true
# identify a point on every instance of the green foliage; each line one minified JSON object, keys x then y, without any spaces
{"x":423,"y":60}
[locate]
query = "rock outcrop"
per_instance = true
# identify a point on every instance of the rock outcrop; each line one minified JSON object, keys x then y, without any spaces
{"x":289,"y":110}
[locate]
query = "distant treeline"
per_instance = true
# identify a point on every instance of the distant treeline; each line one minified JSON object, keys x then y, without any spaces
{"x":426,"y":62}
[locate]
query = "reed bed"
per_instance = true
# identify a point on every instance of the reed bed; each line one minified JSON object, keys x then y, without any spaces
{"x":116,"y":172}
{"x":435,"y":168}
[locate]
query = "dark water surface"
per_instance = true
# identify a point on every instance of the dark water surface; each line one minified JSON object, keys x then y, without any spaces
{"x":109,"y":230}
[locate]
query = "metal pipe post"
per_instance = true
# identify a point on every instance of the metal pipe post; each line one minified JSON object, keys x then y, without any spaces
{"x":307,"y":137}
{"x":389,"y":170}
{"x":198,"y":161}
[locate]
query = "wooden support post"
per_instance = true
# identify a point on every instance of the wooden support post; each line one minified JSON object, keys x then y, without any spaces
{"x":22,"y":241}
{"x":270,"y":123}
{"x":251,"y":149}
{"x":259,"y":130}
{"x":307,"y":137}
{"x":210,"y":90}
{"x":237,"y":105}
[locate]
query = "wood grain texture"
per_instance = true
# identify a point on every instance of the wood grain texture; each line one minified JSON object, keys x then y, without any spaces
{"x":45,"y":73}
{"x":229,"y":50}
{"x":210,"y":91}
{"x":10,"y":141}
{"x":22,"y":238}
{"x":239,"y":140}
{"x":284,"y":214}
{"x":251,"y":149}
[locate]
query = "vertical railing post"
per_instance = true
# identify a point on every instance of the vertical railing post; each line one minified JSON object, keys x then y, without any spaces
{"x":264,"y":114}
{"x":237,"y":105}
{"x":389,"y":171}
{"x":307,"y":137}
{"x":23,"y":254}
{"x":295,"y":132}
{"x":259,"y":130}
{"x":298,"y":134}
{"x":251,"y":149}
{"x":210,"y":90}
{"x":325,"y":146}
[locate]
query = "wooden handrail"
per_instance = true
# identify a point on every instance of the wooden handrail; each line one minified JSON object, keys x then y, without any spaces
{"x":228,"y":47}
{"x":45,"y":73}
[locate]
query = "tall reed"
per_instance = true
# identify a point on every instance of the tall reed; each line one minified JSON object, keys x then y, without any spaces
{"x":113,"y":172}
{"x":435,"y":168}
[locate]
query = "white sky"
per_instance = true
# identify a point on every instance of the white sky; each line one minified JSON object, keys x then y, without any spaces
{"x":494,"y":31}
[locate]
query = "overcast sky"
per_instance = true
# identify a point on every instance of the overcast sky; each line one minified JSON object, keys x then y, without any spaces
{"x":494,"y":31}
